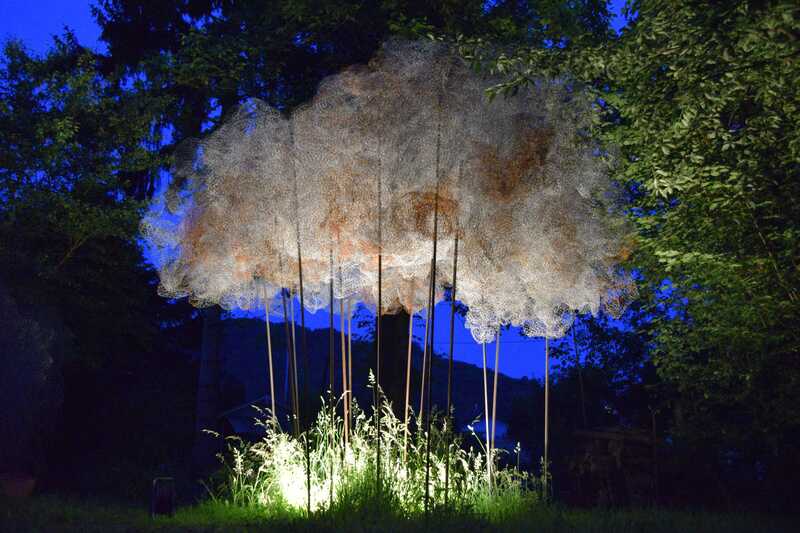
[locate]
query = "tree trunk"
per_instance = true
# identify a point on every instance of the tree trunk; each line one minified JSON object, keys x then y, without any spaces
{"x":581,"y":390}
{"x":394,"y":351}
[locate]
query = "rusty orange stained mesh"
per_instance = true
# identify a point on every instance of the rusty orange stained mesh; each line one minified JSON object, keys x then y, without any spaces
{"x":507,"y":178}
{"x":563,"y":230}
{"x":493,"y":238}
{"x":196,"y":244}
{"x":414,"y":212}
{"x":334,"y":191}
{"x":267,"y":264}
{"x":243,"y":262}
{"x":348,"y":205}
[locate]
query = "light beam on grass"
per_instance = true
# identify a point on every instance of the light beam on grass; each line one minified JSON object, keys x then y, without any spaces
{"x":270,"y":473}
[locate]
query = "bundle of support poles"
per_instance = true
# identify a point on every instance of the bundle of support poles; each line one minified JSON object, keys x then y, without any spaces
{"x":486,"y":419}
{"x":426,"y":371}
{"x":490,"y":422}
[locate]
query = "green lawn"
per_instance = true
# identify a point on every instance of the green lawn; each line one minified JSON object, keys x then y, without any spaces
{"x":53,"y":514}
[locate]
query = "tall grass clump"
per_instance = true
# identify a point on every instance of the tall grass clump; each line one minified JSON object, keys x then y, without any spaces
{"x":271,"y":473}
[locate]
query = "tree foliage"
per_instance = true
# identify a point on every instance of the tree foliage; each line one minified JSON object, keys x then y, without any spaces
{"x":701,"y":103}
{"x":68,"y":223}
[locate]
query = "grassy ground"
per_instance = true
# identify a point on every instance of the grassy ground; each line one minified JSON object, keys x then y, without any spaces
{"x":52,"y":514}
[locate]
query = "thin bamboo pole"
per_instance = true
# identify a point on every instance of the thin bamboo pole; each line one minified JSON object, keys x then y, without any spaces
{"x":408,"y":381}
{"x":494,"y":392}
{"x":331,"y":368}
{"x":350,"y":363}
{"x":306,"y":364}
{"x":292,"y":359}
{"x":269,"y":361}
{"x":421,"y":412}
{"x":378,"y":312}
{"x":431,"y":304}
{"x":546,"y":414}
{"x":345,"y":388}
{"x":286,"y":369}
{"x":450,"y":378}
{"x":306,"y":376}
{"x":295,"y":372}
{"x":486,"y":419}
{"x":286,"y":382}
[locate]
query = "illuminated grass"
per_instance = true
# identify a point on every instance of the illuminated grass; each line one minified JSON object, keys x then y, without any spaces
{"x":271,"y":473}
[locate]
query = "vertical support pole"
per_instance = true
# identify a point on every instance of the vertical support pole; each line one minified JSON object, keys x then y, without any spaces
{"x":291,"y":354}
{"x":331,"y":404}
{"x":269,"y":360}
{"x":449,"y":419}
{"x":306,"y":364}
{"x":431,"y":314}
{"x":431,"y":305}
{"x":545,"y":467}
{"x":378,"y":311}
{"x":408,"y":381}
{"x":307,"y":378}
{"x":350,"y":363}
{"x":421,"y":412}
{"x":345,"y":386}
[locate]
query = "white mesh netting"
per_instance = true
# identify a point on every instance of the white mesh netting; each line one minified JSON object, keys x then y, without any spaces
{"x":363,"y":167}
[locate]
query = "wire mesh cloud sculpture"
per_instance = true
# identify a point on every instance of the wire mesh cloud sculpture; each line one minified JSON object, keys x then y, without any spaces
{"x":361,"y":170}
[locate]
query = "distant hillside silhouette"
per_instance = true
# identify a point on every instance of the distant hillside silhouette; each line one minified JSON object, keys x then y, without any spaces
{"x":245,"y":378}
